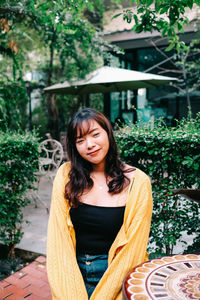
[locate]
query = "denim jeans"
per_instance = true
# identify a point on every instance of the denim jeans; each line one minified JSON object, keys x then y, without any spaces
{"x":92,"y":268}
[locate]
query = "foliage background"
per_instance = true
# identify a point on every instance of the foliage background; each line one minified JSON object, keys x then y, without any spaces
{"x":18,"y":165}
{"x":56,"y":41}
{"x":63,"y":40}
{"x":171,"y":157}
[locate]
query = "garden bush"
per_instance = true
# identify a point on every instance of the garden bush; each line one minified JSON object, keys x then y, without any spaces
{"x":19,"y":162}
{"x":171,"y":157}
{"x":13,"y":102}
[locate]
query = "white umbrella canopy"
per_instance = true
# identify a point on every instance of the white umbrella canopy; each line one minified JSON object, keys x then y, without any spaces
{"x":109,"y":79}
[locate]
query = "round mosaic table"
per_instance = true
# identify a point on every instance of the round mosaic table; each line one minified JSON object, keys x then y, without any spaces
{"x":166,"y":278}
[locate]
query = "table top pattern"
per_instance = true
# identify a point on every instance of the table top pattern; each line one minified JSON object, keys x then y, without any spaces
{"x":166,"y":278}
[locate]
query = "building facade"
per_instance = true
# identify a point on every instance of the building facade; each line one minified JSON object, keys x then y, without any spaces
{"x":145,"y":52}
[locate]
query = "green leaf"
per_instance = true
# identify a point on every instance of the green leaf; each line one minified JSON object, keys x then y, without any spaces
{"x":149,"y":2}
{"x":170,"y":47}
{"x":164,"y":31}
{"x":163,"y":10}
{"x":190,"y":3}
{"x":116,"y":16}
{"x":180,"y":26}
{"x":135,"y":18}
{"x":196,"y":166}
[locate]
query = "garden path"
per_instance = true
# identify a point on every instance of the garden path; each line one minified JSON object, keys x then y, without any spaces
{"x":35,"y":232}
{"x":29,"y":283}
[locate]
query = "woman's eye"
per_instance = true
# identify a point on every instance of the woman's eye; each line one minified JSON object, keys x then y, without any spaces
{"x":79,"y":141}
{"x":96,"y":134}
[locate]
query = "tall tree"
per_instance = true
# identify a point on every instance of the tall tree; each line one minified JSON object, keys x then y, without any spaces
{"x":65,"y":30}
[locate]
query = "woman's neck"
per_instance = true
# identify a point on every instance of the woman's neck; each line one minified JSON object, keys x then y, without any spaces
{"x":100,"y":168}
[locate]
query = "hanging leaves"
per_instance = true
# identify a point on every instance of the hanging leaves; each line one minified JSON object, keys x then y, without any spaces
{"x":4,"y":25}
{"x":164,"y":16}
{"x":13,"y":46}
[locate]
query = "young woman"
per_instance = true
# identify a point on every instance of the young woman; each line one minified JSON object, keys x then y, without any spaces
{"x":100,"y":215}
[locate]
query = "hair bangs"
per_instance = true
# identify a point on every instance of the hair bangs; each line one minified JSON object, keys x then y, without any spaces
{"x":82,"y":127}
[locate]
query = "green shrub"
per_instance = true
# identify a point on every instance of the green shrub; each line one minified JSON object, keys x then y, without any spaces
{"x":171,"y":157}
{"x":19,"y":162}
{"x":13,"y":102}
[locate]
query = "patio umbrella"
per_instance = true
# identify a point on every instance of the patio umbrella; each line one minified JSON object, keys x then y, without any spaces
{"x":108,"y":79}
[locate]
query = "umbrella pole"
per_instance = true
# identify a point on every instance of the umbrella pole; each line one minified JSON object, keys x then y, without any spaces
{"x":86,"y":100}
{"x":134,"y":102}
{"x":106,"y":101}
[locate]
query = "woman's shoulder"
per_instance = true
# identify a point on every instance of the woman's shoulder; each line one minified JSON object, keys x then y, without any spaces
{"x":130,"y":171}
{"x":65,"y":167}
{"x":133,"y":173}
{"x":63,"y":171}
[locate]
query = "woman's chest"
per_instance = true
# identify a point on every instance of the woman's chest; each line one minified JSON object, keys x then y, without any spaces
{"x":101,"y":197}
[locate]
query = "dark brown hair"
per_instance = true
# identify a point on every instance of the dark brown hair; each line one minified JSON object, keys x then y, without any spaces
{"x":79,"y":174}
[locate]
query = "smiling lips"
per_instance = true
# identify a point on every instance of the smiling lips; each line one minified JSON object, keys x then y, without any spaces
{"x":94,"y":153}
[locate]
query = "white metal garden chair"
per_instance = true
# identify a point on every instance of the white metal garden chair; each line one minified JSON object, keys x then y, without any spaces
{"x":51,"y":156}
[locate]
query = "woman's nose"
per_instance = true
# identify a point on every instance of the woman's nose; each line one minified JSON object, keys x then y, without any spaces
{"x":90,"y":143}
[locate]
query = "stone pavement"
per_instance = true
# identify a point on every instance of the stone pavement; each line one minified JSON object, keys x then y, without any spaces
{"x":29,"y":283}
{"x":35,"y":231}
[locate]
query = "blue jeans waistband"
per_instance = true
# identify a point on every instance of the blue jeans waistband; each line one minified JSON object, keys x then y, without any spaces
{"x":92,"y":268}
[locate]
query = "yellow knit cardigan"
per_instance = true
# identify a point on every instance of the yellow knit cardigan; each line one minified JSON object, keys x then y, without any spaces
{"x":127,"y":250}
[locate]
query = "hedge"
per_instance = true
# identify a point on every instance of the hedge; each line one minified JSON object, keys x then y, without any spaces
{"x":13,"y":102}
{"x":171,"y":157}
{"x":18,"y":164}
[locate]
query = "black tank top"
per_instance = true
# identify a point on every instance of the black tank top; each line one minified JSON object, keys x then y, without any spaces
{"x":96,"y":227}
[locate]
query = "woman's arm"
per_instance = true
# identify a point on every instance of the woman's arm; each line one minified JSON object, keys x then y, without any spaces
{"x":63,"y":272}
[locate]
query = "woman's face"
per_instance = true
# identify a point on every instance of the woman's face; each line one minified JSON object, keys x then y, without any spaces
{"x":94,"y":145}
